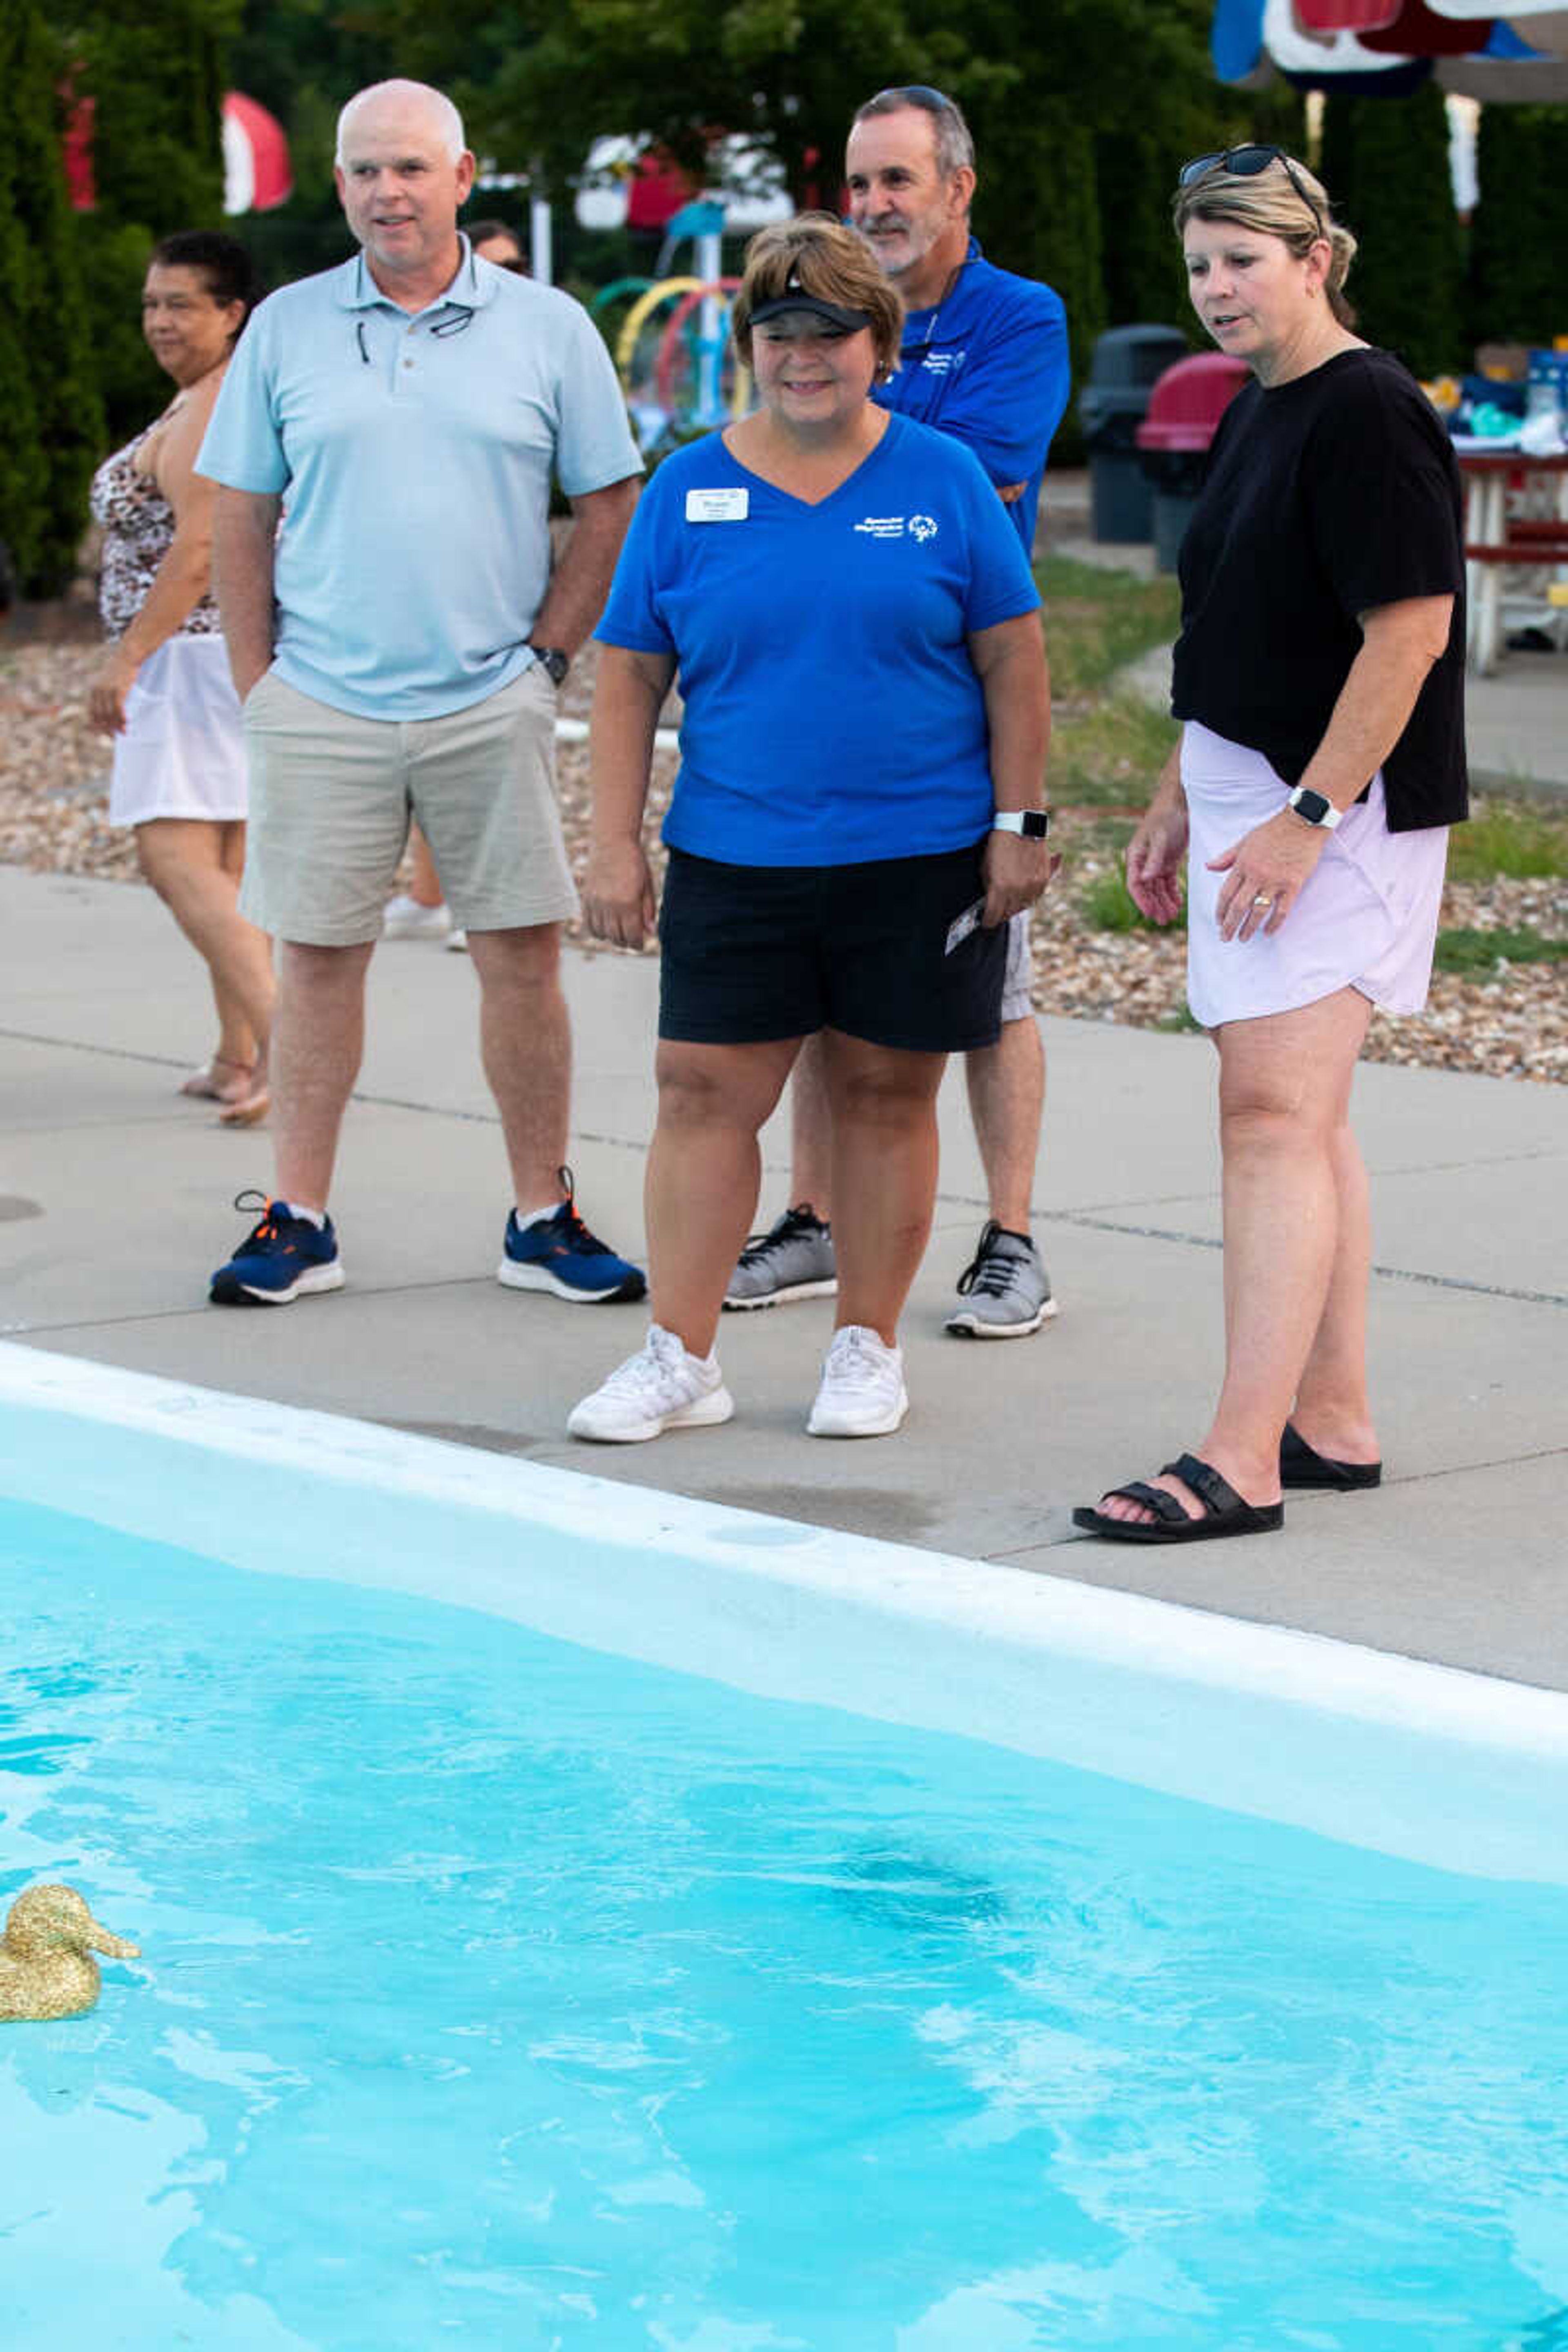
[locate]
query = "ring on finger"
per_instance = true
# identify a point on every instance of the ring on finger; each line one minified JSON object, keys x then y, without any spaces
{"x":1262,"y":901}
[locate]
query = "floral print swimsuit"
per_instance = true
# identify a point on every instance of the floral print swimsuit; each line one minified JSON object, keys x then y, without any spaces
{"x":137,"y":532}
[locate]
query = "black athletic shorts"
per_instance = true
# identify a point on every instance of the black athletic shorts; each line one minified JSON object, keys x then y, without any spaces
{"x":754,"y":952}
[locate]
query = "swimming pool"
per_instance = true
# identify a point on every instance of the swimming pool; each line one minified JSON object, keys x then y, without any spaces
{"x":576,"y":1917}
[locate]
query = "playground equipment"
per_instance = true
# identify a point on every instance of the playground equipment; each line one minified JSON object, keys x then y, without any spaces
{"x":675,"y":379}
{"x":683,"y":387}
{"x":674,"y":352}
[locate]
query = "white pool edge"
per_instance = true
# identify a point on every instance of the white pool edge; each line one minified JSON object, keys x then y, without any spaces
{"x":1024,"y":1611}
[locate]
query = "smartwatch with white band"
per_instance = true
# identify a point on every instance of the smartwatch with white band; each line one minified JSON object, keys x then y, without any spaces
{"x":1314,"y":808}
{"x":1033,"y":824}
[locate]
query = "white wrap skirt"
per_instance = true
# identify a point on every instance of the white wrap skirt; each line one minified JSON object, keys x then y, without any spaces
{"x":1366,"y":919}
{"x":182,"y":753}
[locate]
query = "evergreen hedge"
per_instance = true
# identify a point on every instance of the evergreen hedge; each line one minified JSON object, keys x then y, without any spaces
{"x":157,"y":78}
{"x":1384,"y":162}
{"x":48,"y":388}
{"x":1518,"y":289}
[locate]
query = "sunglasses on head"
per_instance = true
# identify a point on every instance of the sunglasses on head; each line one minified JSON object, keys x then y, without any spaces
{"x":1246,"y":164}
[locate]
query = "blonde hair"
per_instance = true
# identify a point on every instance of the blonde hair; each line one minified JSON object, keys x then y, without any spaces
{"x":1270,"y":202}
{"x":824,"y":259}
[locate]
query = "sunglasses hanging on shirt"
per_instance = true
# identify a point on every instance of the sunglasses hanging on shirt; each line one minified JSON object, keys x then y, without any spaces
{"x":452,"y":324}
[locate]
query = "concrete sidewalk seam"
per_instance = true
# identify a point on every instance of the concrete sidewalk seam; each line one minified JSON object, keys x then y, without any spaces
{"x":1388,"y":1273}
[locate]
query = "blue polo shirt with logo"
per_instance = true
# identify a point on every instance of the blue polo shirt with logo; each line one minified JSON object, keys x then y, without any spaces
{"x":832,"y":712}
{"x":989,"y":364}
{"x":414,"y":456}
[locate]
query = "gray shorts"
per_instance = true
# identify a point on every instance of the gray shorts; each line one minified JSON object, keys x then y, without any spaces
{"x":1017,"y":1003}
{"x":332,"y":796}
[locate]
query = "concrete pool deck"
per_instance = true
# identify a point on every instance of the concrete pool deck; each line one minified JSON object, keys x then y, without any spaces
{"x":114,"y":1206}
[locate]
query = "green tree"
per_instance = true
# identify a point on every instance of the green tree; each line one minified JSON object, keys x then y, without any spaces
{"x":301,"y":59}
{"x":1081,"y":112}
{"x":1057,"y":99}
{"x":1384,"y":162}
{"x":157,"y":78}
{"x":54,"y":424}
{"x":1180,"y":112}
{"x":1520,"y":231}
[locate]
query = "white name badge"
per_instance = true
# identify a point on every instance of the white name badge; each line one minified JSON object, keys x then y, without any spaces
{"x":716,"y":505}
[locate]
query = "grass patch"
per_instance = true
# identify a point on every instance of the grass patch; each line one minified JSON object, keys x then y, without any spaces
{"x":1483,"y":951}
{"x":1108,"y":904}
{"x":1093,"y":836}
{"x":1096,"y":620}
{"x":1108,"y":754}
{"x":1508,"y":839}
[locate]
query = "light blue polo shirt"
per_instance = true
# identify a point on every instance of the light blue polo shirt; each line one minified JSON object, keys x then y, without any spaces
{"x":414,"y":456}
{"x":832,"y":712}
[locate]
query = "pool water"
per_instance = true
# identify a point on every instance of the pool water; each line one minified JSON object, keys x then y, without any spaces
{"x":501,"y":1992}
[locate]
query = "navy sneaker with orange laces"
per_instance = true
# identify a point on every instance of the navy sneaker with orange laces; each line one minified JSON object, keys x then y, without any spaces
{"x":559,"y":1255}
{"x":283,"y":1257}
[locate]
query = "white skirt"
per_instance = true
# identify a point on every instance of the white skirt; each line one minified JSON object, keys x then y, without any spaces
{"x":182,"y":753}
{"x":1367,"y":918}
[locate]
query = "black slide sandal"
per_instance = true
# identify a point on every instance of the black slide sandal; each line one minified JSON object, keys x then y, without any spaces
{"x":1224,"y":1513}
{"x":1301,"y":1464}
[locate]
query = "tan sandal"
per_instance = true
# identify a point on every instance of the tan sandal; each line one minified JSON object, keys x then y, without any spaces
{"x":208,"y":1086}
{"x":247,"y":1110}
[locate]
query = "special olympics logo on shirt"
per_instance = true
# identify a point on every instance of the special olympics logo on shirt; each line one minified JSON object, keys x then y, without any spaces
{"x":920,"y":527}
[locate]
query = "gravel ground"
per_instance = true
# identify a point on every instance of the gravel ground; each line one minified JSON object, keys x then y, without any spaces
{"x":53,"y":819}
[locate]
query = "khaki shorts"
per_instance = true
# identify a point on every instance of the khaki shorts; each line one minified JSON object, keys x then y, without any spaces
{"x":1017,"y":1003}
{"x":332,"y":796}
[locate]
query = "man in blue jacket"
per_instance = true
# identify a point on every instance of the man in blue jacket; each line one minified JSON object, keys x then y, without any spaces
{"x":984,"y":357}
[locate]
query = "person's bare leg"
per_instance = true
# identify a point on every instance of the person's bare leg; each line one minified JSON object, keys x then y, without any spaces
{"x":883,"y":1109}
{"x":237,"y":1041}
{"x":525,"y":1042}
{"x":811,"y":1134}
{"x":424,"y":888}
{"x":1285,"y":1083}
{"x":1332,"y":1411}
{"x":704,"y":1167}
{"x":190,"y":864}
{"x":1006,"y":1084}
{"x":244,"y":1105}
{"x":318,"y":1040}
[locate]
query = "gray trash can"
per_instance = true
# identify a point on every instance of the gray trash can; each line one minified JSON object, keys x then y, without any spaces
{"x":1122,"y":373}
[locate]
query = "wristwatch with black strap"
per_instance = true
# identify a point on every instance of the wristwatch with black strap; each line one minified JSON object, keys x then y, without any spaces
{"x":552,"y":660}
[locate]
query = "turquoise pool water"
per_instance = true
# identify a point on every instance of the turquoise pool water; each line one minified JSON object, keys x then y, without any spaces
{"x":502,"y":1992}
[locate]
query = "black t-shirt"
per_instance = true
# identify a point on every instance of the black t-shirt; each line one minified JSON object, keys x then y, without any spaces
{"x":1324,"y":498}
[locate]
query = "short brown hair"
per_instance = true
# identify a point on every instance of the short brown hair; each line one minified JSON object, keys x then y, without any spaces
{"x":826,"y":259}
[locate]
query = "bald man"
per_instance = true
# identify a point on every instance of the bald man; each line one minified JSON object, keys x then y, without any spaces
{"x":399,"y":652}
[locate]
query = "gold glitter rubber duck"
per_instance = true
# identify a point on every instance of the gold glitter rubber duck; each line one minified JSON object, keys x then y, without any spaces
{"x":47,"y":1969}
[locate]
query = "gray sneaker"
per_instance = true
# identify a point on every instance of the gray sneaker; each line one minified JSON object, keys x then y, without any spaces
{"x":793,"y":1260}
{"x":1004,"y":1289}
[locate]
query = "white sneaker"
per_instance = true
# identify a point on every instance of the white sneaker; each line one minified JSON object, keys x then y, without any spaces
{"x":661,"y":1388}
{"x":862,"y":1393}
{"x":458,"y":941}
{"x":404,"y":918}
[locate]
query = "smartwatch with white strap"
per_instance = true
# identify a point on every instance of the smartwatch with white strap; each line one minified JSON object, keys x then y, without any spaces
{"x":1314,"y":808}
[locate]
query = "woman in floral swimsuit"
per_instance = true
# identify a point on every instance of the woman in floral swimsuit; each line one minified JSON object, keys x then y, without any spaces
{"x":163,"y":692}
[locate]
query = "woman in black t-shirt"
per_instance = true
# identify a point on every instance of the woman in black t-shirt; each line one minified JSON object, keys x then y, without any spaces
{"x":1320,"y":676}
